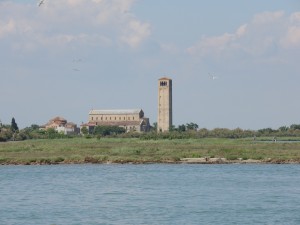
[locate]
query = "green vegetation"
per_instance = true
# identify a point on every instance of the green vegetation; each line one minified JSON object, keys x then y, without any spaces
{"x":12,"y":133}
{"x":135,"y":150}
{"x":184,"y":131}
{"x":108,"y":130}
{"x":14,"y":126}
{"x":113,"y":145}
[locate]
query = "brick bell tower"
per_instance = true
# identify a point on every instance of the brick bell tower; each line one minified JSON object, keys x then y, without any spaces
{"x":164,"y":120}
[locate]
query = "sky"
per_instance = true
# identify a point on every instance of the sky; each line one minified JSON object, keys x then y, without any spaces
{"x":233,"y":63}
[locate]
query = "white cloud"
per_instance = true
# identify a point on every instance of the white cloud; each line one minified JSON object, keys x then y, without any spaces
{"x":292,"y":36}
{"x":216,"y":45}
{"x":61,"y":22}
{"x":267,"y":32}
{"x":135,"y":33}
{"x":241,"y":30}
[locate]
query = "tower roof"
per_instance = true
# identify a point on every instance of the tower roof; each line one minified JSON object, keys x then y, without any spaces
{"x":164,"y":78}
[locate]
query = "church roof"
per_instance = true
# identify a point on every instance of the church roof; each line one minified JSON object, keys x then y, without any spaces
{"x":114,"y":111}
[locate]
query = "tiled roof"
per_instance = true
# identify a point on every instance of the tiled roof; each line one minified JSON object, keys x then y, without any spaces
{"x":58,"y":118}
{"x":114,"y":111}
{"x":164,"y":78}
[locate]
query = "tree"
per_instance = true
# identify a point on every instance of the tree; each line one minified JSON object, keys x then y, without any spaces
{"x":35,"y":127}
{"x":266,"y":131}
{"x":295,"y":126}
{"x":108,"y":130}
{"x":192,"y":126}
{"x":84,"y":130}
{"x":181,"y":128}
{"x":52,"y":133}
{"x":172,"y":128}
{"x":154,"y":125}
{"x":14,"y":125}
{"x":283,"y":128}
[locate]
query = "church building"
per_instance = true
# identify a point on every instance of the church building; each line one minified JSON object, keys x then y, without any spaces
{"x":129,"y":119}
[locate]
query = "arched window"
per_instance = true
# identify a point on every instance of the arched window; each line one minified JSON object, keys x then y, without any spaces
{"x":163,"y":83}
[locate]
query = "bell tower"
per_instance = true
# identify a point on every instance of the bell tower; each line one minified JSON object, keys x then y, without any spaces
{"x":164,"y":120}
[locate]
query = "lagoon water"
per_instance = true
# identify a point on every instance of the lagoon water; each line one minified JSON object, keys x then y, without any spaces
{"x":150,"y":194}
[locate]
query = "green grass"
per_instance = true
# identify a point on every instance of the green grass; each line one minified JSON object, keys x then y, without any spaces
{"x":121,"y":150}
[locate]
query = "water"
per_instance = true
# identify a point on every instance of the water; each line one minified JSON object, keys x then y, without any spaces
{"x":150,"y":194}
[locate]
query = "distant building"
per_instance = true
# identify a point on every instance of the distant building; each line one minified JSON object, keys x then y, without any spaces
{"x":164,"y":120}
{"x":60,"y":124}
{"x":129,"y":119}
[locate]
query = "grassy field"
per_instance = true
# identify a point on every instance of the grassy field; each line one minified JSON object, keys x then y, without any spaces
{"x":120,"y":150}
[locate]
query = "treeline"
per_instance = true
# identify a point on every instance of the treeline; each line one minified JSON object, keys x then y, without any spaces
{"x":12,"y":133}
{"x":220,"y":133}
{"x":102,"y":131}
{"x":33,"y":132}
{"x":190,"y":130}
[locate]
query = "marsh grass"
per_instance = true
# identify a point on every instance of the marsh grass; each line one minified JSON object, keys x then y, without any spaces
{"x":124,"y":150}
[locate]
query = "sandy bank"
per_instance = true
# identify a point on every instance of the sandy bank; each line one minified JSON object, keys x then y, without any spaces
{"x":207,"y":160}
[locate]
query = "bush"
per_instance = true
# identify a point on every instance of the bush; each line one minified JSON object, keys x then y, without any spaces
{"x":6,"y":135}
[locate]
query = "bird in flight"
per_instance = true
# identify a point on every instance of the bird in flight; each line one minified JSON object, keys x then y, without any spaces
{"x":213,"y":77}
{"x":41,"y":3}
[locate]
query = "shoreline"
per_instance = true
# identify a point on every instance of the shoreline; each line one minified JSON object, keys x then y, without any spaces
{"x":203,"y":161}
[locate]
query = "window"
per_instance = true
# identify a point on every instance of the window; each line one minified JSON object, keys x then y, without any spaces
{"x":92,"y":118}
{"x":96,"y":118}
{"x":101,"y":118}
{"x":124,"y":118}
{"x":115,"y":118}
{"x":109,"y":118}
{"x":163,"y":83}
{"x":105,"y":118}
{"x":133,"y":118}
{"x":119,"y":118}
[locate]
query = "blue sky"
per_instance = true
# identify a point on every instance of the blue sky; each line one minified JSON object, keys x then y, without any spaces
{"x":68,"y":57}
